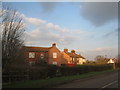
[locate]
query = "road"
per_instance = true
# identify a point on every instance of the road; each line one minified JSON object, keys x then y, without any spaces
{"x":106,"y":80}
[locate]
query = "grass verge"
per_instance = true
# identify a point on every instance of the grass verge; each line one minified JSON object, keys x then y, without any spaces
{"x":52,"y":81}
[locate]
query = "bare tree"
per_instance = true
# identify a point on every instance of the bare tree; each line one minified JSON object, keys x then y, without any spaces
{"x":11,"y":34}
{"x":101,"y":59}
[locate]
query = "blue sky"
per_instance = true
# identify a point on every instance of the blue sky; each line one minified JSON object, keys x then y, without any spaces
{"x":90,"y":28}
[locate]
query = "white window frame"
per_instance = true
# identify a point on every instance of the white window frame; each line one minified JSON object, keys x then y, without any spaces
{"x":54,"y":62}
{"x":41,"y":55}
{"x":54,"y":55}
{"x":31,"y":54}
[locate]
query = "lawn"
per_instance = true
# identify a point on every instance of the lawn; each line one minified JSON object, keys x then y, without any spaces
{"x":51,"y":81}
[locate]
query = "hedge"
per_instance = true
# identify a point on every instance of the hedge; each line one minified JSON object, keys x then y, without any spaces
{"x":49,"y":71}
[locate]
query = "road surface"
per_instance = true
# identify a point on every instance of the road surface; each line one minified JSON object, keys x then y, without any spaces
{"x":106,"y":80}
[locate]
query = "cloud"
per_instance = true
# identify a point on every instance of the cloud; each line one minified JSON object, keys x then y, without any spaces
{"x":99,"y":13}
{"x":53,"y":26}
{"x":101,"y":49}
{"x":49,"y":32}
{"x":35,"y":21}
{"x":111,"y":33}
{"x":39,"y":35}
{"x":48,"y":6}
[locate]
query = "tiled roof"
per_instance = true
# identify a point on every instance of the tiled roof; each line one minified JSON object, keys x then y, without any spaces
{"x":74,"y":55}
{"x":114,"y":60}
{"x":29,"y":48}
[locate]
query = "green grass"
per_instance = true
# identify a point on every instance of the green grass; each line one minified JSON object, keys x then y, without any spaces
{"x":51,"y":81}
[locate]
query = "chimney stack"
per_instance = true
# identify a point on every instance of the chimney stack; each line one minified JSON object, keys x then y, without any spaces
{"x":72,"y":51}
{"x":54,"y":45}
{"x":65,"y":50}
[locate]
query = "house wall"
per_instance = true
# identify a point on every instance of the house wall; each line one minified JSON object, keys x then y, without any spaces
{"x":65,"y":58}
{"x":58,"y":59}
{"x":73,"y":60}
{"x":62,"y":57}
{"x":81,"y":61}
{"x":37,"y":56}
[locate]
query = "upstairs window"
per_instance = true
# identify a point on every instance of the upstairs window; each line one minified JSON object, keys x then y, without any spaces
{"x":54,"y":55}
{"x":42,"y":56}
{"x":31,"y":55}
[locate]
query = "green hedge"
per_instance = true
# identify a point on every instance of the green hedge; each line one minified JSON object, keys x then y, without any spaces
{"x":66,"y":71}
{"x":49,"y":71}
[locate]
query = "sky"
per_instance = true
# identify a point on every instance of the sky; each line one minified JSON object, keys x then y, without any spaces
{"x":90,"y":28}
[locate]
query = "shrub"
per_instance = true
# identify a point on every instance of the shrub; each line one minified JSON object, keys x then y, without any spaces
{"x":80,"y":69}
{"x":49,"y":71}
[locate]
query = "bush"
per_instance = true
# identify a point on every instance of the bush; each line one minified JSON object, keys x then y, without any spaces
{"x":50,"y":71}
{"x":80,"y":69}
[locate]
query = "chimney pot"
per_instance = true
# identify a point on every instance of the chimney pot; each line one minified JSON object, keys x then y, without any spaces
{"x":65,"y":50}
{"x":54,"y":45}
{"x":72,"y":51}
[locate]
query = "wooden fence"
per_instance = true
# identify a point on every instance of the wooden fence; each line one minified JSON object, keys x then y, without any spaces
{"x":15,"y":76}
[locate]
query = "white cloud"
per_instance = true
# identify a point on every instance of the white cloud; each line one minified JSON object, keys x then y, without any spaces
{"x":35,"y":21}
{"x":49,"y":32}
{"x":53,"y":26}
{"x":48,"y":36}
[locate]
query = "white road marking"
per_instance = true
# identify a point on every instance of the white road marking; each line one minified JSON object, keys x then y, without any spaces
{"x":108,"y":85}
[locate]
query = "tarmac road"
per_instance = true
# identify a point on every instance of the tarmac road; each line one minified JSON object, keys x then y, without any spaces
{"x":106,"y":80}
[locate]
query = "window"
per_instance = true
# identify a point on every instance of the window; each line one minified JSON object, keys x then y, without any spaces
{"x":31,"y":63}
{"x":31,"y":55}
{"x":55,"y":63}
{"x":42,"y":56}
{"x":54,"y":55}
{"x":71,"y":58}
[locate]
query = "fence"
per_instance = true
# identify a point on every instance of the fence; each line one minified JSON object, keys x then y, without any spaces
{"x":13,"y":76}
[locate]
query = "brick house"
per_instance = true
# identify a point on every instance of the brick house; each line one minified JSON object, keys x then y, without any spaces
{"x":72,"y":57}
{"x":50,"y":55}
{"x":112,"y":60}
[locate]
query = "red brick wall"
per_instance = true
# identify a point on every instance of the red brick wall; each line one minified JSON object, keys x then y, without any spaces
{"x":58,"y":59}
{"x":47,"y":54}
{"x":37,"y":56}
{"x":65,"y":58}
